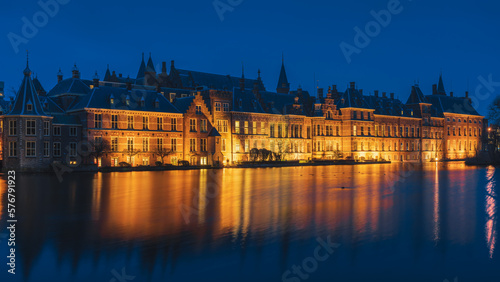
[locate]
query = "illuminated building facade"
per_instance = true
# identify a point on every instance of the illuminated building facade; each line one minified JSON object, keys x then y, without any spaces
{"x":209,"y":119}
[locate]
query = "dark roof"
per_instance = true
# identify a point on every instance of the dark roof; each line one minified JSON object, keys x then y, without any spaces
{"x":245,"y":101}
{"x":440,"y":89}
{"x":182,"y":104}
{"x":214,"y":81}
{"x":66,"y":119}
{"x":416,"y":96}
{"x":25,"y":96}
{"x":283,"y":80}
{"x":352,"y":98}
{"x":142,"y":69}
{"x":447,"y":104}
{"x":100,"y":98}
{"x":38,"y":86}
{"x":213,"y":132}
{"x":75,"y":86}
{"x":150,"y":66}
{"x":388,"y":106}
{"x":50,"y":106}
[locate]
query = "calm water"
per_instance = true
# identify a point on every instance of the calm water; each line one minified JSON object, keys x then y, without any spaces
{"x":391,"y":223}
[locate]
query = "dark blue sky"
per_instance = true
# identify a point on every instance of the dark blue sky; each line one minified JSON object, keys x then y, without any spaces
{"x":459,"y":38}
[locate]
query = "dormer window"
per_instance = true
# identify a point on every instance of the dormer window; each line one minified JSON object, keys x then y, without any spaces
{"x":254,"y":103}
{"x":143,"y":102}
{"x":157,"y":104}
{"x":112,"y":100}
{"x":127,"y":101}
{"x":29,"y":107}
{"x":318,"y":107}
{"x":240,"y":102}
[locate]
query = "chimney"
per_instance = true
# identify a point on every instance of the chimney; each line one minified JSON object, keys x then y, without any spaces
{"x":434,"y":89}
{"x":384,"y":94}
{"x":376,"y":93}
{"x":353,"y":85}
{"x":242,"y":84}
{"x":334,"y":89}
{"x":59,"y":76}
{"x":163,"y":67}
{"x":392,"y":95}
{"x":120,"y":75}
{"x":172,"y":65}
{"x":466,"y":94}
{"x":75,"y":72}
{"x":129,"y":83}
{"x":361,"y":92}
{"x":320,"y":93}
{"x":451,"y":94}
{"x":95,"y":80}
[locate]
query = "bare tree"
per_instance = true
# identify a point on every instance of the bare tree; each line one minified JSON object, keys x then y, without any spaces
{"x":494,"y":111}
{"x":163,"y":153}
{"x":98,"y":149}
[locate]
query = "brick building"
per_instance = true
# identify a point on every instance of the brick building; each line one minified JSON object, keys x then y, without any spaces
{"x":210,"y":119}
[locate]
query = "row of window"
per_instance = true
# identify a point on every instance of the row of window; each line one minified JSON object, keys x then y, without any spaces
{"x":464,"y":131}
{"x":243,"y":127}
{"x":225,"y":107}
{"x":31,"y":128}
{"x":145,"y":144}
{"x":31,"y":149}
{"x":464,"y":120}
{"x":203,"y":125}
{"x":130,"y":122}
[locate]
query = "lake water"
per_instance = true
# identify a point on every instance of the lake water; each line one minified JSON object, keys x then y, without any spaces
{"x":385,"y":222}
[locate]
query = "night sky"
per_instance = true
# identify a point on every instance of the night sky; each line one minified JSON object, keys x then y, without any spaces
{"x":458,"y":38}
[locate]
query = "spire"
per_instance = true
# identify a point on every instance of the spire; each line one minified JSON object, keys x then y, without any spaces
{"x":27,"y":71}
{"x":27,"y":102}
{"x":107,"y":75}
{"x":283,"y":85}
{"x":150,"y":66}
{"x":142,"y":68}
{"x":242,"y":79}
{"x":440,"y":89}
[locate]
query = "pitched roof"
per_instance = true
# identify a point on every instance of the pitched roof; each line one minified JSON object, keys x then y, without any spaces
{"x":75,"y":86}
{"x":352,"y":98}
{"x":440,"y":89}
{"x":100,"y":98}
{"x":142,"y":69}
{"x":416,"y":96}
{"x":245,"y":101}
{"x":388,"y":106}
{"x":150,"y":66}
{"x":213,"y":132}
{"x":182,"y":104}
{"x":447,"y":104}
{"x":214,"y":81}
{"x":27,"y":96}
{"x":283,"y":80}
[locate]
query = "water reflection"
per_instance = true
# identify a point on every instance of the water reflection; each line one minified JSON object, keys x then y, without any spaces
{"x":248,"y":224}
{"x":491,"y":211}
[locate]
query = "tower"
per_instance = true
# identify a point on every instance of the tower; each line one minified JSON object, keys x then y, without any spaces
{"x":283,"y":85}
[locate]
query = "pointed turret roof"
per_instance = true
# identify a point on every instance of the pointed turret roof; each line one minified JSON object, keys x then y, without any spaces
{"x":142,"y":69}
{"x":150,"y":67}
{"x":27,"y":96}
{"x":283,"y":80}
{"x":107,"y":76}
{"x":440,"y":89}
